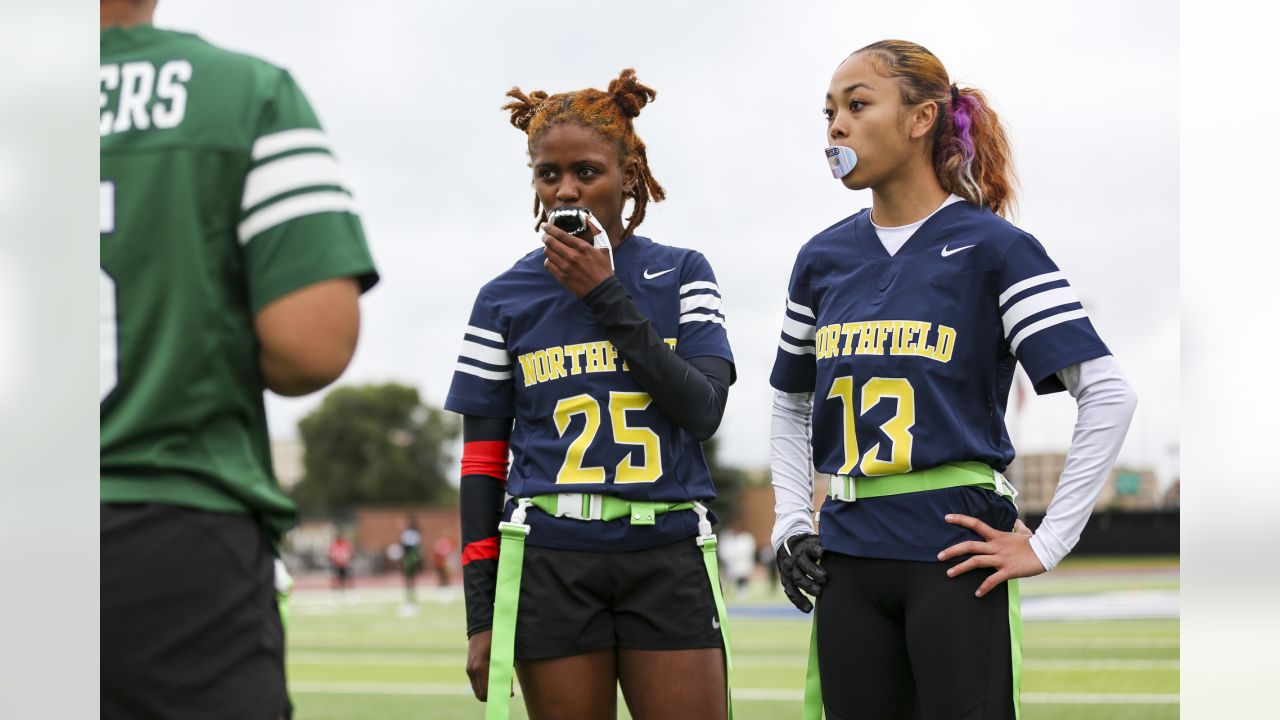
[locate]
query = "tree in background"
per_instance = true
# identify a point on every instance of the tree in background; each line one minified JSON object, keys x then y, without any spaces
{"x":730,"y":482}
{"x":374,"y":444}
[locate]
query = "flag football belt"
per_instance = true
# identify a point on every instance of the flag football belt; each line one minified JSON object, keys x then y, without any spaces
{"x":851,"y":489}
{"x":961,"y":474}
{"x":579,"y":506}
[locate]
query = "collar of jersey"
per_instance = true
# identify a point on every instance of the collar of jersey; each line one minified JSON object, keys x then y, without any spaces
{"x":864,"y":233}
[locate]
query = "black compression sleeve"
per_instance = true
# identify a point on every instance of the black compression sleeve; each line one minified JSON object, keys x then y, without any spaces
{"x":481,"y":495}
{"x":691,"y":392}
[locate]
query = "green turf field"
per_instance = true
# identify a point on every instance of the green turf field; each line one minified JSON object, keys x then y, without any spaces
{"x":362,"y":660}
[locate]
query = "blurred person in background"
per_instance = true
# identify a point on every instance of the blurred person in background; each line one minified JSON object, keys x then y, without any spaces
{"x":340,"y":553}
{"x":231,"y":263}
{"x":738,"y":548}
{"x":410,"y":556}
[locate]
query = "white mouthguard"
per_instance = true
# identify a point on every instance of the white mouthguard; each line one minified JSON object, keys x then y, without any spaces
{"x":842,"y":160}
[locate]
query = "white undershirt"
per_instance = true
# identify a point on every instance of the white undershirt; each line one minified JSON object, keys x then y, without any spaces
{"x":894,"y":238}
{"x":1105,"y":403}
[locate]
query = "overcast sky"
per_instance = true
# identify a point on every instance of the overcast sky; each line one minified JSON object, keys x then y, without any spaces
{"x":409,"y":93}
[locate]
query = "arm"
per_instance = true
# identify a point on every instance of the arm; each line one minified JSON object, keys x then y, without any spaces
{"x":791,"y":465}
{"x":1105,"y":404}
{"x":690,"y":392}
{"x":307,"y":337}
{"x":482,"y":495}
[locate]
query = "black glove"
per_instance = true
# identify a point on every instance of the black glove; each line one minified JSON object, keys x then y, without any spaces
{"x":799,"y":570}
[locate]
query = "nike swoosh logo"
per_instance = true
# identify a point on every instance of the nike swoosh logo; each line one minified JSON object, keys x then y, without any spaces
{"x":715,"y":623}
{"x":647,"y":276}
{"x":949,"y":253}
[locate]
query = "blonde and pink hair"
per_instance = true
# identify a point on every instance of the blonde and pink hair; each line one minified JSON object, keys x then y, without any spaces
{"x":971,"y":153}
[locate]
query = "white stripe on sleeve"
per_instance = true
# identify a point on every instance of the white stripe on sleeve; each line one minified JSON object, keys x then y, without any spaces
{"x":1030,"y":282}
{"x":796,"y":349}
{"x":486,"y":334}
{"x":699,"y":285}
{"x":1048,"y":322}
{"x":291,"y":209}
{"x":693,"y":302}
{"x":701,"y":317}
{"x":796,"y":329}
{"x":484,"y":353}
{"x":1033,"y":304}
{"x":796,"y":307}
{"x":481,"y":372}
{"x":276,"y":143}
{"x":290,"y":173}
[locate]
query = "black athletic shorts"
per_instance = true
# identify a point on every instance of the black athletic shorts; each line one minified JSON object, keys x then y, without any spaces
{"x":574,"y":602}
{"x":899,"y":640}
{"x":190,"y":622}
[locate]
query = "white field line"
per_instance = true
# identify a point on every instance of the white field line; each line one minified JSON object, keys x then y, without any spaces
{"x":459,"y":658}
{"x":1088,"y":643}
{"x":760,"y":694}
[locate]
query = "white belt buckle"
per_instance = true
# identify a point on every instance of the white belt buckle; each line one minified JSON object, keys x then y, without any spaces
{"x":570,"y":505}
{"x":1003,"y":486}
{"x":844,"y":487}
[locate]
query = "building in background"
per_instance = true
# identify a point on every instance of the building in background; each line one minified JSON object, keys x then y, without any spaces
{"x":1035,"y":475}
{"x":286,"y":460}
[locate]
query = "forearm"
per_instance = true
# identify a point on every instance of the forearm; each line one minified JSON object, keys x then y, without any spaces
{"x":1106,"y":404}
{"x":690,"y":392}
{"x":791,"y":465}
{"x":482,"y":493}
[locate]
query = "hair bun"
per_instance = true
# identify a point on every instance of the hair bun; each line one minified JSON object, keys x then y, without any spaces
{"x":629,"y":94}
{"x":524,"y":107}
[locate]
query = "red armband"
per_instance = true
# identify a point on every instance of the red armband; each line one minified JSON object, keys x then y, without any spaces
{"x":485,"y":457}
{"x":486,"y":549}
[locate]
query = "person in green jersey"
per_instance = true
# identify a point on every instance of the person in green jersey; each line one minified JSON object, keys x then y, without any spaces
{"x":231,"y":262}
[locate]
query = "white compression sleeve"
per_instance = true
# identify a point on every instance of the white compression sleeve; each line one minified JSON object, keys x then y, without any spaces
{"x":1105,"y":403}
{"x":791,"y":463}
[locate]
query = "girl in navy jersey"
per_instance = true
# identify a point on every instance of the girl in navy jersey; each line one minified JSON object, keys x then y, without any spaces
{"x":600,"y":371}
{"x":903,"y":326}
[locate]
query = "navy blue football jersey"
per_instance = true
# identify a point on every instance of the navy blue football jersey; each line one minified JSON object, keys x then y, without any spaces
{"x":910,"y":358}
{"x":534,"y":352}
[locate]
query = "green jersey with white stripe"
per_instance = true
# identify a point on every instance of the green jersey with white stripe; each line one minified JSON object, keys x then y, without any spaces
{"x":219,"y":194}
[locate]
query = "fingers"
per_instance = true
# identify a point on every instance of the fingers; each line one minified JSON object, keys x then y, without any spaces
{"x":810,"y":568}
{"x":968,"y":547}
{"x":479,"y":682}
{"x":991,"y":582}
{"x":977,"y":561}
{"x":813,"y":550}
{"x":795,"y":596}
{"x":553,"y":248}
{"x":973,"y":524}
{"x":1021,"y":528}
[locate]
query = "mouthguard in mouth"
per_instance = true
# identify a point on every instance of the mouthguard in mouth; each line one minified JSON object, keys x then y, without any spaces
{"x":842,"y":160}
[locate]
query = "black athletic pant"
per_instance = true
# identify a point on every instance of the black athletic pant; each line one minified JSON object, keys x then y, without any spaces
{"x":899,"y":640}
{"x":190,"y":623}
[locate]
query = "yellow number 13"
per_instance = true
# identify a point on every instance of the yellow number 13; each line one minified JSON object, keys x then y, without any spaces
{"x":897,"y":429}
{"x":572,"y":471}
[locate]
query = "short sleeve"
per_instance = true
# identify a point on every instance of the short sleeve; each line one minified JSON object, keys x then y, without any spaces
{"x":702,"y":322}
{"x":483,"y":380}
{"x":795,"y":367}
{"x":298,"y":224}
{"x":1045,"y":325}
